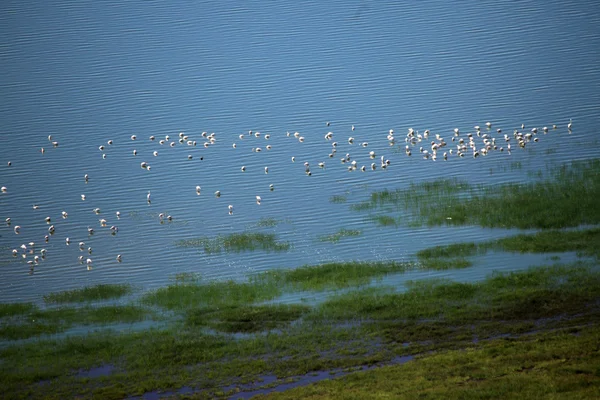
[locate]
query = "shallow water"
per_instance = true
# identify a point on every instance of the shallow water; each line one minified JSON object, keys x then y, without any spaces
{"x":89,"y":72}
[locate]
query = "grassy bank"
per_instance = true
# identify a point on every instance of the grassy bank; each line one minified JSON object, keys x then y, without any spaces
{"x":364,"y":326}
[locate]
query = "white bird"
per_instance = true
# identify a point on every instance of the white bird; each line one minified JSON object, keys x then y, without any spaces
{"x":64,"y":214}
{"x":86,"y":177}
{"x":570,"y":124}
{"x":148,"y":197}
{"x":133,"y":137}
{"x":243,"y":168}
{"x":198,"y":190}
{"x":152,"y":138}
{"x":230,"y":207}
{"x":155,"y":153}
{"x":68,"y":241}
{"x":17,"y":229}
{"x":96,"y":210}
{"x":114,"y":229}
{"x":258,"y":200}
{"x":4,"y":189}
{"x":81,"y":245}
{"x":80,"y":258}
{"x":102,"y":222}
{"x":14,"y":252}
{"x":170,"y":218}
{"x":218,"y":193}
{"x":88,"y":261}
{"x":43,"y":252}
{"x":89,"y":250}
{"x":134,"y":152}
{"x":119,"y":258}
{"x":118,"y":214}
{"x":83,"y":197}
{"x":266,"y":170}
{"x":90,"y":230}
{"x":48,"y":219}
{"x":271,"y":187}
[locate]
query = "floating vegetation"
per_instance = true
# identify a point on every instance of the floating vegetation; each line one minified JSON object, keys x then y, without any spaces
{"x":338,"y":199}
{"x":89,"y":293}
{"x":247,"y":318}
{"x":567,"y":198}
{"x":343,"y":232}
{"x":237,"y":242}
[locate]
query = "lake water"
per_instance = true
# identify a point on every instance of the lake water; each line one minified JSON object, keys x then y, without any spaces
{"x":89,"y":72}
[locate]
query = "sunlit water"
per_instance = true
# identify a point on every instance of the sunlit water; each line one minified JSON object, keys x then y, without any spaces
{"x":87,"y":73}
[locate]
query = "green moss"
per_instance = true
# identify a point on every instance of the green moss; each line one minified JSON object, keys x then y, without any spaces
{"x":445,"y":263}
{"x":237,"y":242}
{"x":90,"y":293}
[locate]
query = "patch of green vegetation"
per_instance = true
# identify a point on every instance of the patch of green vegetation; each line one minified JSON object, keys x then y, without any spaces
{"x":187,"y":277}
{"x":542,"y":291}
{"x":331,"y":275}
{"x":210,"y":294}
{"x":267,"y":222}
{"x":89,"y":293}
{"x":237,"y":242}
{"x":343,"y":232}
{"x":586,"y":242}
{"x":567,"y":198}
{"x":11,"y":309}
{"x":247,"y":318}
{"x":452,"y":250}
{"x":338,"y":199}
{"x":540,"y":366}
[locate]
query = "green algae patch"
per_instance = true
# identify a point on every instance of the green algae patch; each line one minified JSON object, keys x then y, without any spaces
{"x":246,"y":318}
{"x":236,"y":242}
{"x":89,"y":293}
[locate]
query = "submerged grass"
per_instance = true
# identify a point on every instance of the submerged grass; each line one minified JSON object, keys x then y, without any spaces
{"x":343,"y":232}
{"x":237,"y":242}
{"x":89,"y":293}
{"x":566,"y":198}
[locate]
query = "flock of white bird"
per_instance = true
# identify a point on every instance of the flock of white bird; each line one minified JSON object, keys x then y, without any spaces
{"x":477,"y":143}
